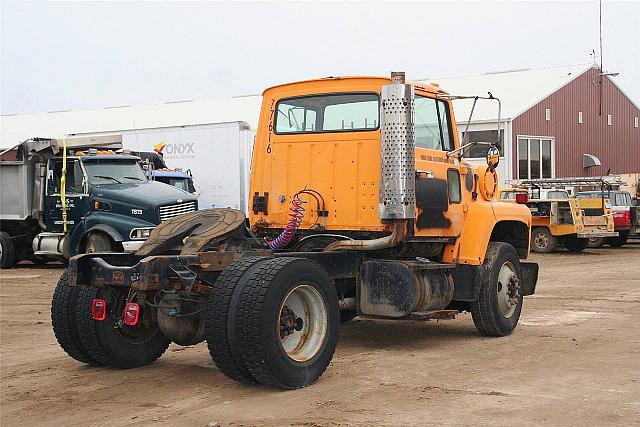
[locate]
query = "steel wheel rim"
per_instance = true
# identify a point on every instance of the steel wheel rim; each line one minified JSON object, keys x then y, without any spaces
{"x":508,"y":289}
{"x":302,"y":323}
{"x":542,"y":241}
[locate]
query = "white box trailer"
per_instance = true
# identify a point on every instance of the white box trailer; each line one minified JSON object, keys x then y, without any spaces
{"x":217,"y":154}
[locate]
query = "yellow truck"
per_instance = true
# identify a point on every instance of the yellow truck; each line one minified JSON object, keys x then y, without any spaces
{"x":362,"y":205}
{"x":560,"y":220}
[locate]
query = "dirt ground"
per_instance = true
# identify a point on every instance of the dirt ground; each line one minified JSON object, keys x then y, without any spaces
{"x":574,"y":359}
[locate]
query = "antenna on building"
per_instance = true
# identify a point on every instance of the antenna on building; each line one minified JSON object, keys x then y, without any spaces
{"x":602,"y":73}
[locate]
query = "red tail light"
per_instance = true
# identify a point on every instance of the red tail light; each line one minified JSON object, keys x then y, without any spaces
{"x":131,"y":313}
{"x":522,"y":198}
{"x":99,"y":309}
{"x":627,"y":216}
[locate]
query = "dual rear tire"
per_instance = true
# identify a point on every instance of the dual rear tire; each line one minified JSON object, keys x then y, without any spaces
{"x":108,"y":342}
{"x":273,"y":321}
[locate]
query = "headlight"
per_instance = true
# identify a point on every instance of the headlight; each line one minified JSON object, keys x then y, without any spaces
{"x":140,"y":233}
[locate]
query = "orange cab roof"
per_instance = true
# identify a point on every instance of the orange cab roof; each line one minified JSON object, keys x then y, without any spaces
{"x":350,"y":81}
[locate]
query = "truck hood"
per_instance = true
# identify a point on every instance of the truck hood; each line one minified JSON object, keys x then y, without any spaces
{"x":148,"y":194}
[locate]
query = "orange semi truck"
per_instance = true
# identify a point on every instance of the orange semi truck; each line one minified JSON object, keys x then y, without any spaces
{"x":362,"y":205}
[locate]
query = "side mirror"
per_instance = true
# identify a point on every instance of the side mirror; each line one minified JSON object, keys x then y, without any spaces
{"x":493,"y":157}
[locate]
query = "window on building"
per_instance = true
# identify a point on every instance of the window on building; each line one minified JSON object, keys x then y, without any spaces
{"x":432,"y":124}
{"x":580,"y":117}
{"x":480,"y":150}
{"x":609,"y":119}
{"x":635,"y":121}
{"x":547,"y":114}
{"x":535,"y":157}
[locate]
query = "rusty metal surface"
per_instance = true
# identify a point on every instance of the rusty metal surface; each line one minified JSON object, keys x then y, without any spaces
{"x":396,"y":289}
{"x":193,"y":232}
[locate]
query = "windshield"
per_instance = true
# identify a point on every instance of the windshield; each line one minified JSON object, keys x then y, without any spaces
{"x":558,"y":194}
{"x":328,"y":113}
{"x":592,"y":195}
{"x":183,"y":184}
{"x":112,"y":171}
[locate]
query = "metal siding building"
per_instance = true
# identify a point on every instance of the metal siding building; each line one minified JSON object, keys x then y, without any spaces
{"x":541,"y":107}
{"x":616,"y":145}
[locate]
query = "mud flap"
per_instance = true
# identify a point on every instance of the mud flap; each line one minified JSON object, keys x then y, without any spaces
{"x":529,"y":278}
{"x":193,"y":232}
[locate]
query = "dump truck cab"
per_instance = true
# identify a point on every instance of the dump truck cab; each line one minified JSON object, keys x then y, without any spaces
{"x":77,"y":195}
{"x":362,"y":205}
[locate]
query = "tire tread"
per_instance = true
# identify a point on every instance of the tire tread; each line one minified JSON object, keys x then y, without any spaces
{"x":217,"y":318}
{"x":63,"y":320}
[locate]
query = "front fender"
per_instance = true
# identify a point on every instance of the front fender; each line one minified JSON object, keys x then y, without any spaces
{"x":470,"y":247}
{"x":115,"y":226}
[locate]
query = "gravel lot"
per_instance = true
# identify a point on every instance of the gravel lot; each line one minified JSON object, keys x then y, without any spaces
{"x":574,"y":359}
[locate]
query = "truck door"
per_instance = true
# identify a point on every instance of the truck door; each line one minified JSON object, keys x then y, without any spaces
{"x":438,"y":179}
{"x":76,"y":195}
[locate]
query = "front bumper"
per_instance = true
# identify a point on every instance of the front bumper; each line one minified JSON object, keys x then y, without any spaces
{"x":132,"y":246}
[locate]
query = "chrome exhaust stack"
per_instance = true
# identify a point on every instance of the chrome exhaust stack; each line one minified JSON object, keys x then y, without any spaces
{"x":397,"y":200}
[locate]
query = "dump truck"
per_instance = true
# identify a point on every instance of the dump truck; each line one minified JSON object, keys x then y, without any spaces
{"x":218,"y":155}
{"x":362,"y":205}
{"x":558,"y":219}
{"x":62,"y":197}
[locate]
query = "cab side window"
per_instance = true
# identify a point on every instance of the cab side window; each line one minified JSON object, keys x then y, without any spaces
{"x":74,"y":178}
{"x":433,"y":128}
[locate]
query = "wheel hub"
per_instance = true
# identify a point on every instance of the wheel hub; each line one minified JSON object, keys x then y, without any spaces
{"x":542,"y":241}
{"x":508,"y":289}
{"x":302,"y":325}
{"x":513,"y":290}
{"x":289,"y":322}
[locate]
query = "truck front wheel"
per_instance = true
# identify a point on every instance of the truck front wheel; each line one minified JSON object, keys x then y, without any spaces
{"x":288,"y":322}
{"x":110,"y":341}
{"x":542,"y":241}
{"x":7,"y":251}
{"x":63,"y":320}
{"x":497,"y":309}
{"x":98,"y":242}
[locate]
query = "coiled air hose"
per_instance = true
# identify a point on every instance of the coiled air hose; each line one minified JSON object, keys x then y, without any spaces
{"x":295,"y":219}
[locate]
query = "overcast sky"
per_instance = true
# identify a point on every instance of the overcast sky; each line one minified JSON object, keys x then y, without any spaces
{"x":78,"y":55}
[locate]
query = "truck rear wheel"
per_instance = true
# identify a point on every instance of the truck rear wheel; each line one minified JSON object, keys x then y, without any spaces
{"x":542,"y":241}
{"x":63,"y":320}
{"x":287,"y":322}
{"x":575,"y":244}
{"x":497,"y":310}
{"x":596,"y":242}
{"x":113,"y":343}
{"x":98,"y":242}
{"x":219,"y":331}
{"x":7,"y":251}
{"x":616,"y":242}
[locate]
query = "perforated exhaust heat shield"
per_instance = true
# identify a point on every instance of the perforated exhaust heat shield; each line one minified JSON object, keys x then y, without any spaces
{"x":397,"y":130}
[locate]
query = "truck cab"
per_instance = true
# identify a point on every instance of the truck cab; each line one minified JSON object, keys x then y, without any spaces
{"x":176,"y":178}
{"x":82,"y":199}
